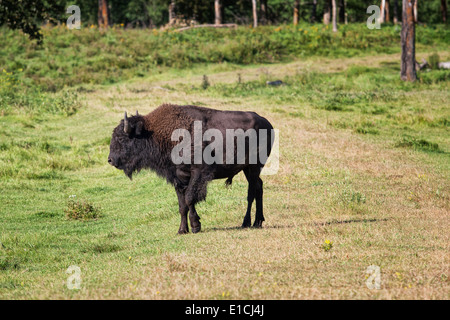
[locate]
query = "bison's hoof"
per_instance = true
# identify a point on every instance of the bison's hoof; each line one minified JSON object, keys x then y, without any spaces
{"x":196,"y":228}
{"x":183,"y":231}
{"x":246,"y":224}
{"x":258,"y":224}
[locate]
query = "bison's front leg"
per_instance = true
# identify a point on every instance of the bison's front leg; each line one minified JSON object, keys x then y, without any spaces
{"x":194,"y":219}
{"x":183,"y":212}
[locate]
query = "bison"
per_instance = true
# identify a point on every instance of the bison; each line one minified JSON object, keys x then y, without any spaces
{"x":153,"y":142}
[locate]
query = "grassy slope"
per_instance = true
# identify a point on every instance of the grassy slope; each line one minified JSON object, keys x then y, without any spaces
{"x":92,"y":56}
{"x":379,"y":204}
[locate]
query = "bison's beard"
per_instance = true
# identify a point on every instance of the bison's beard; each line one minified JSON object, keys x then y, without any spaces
{"x":129,"y":173}
{"x":133,"y":167}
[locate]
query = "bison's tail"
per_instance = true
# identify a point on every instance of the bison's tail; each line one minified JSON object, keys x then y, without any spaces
{"x":229,"y":181}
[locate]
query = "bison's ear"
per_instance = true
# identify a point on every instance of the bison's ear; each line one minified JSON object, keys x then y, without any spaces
{"x":139,"y":127}
{"x":128,"y":127}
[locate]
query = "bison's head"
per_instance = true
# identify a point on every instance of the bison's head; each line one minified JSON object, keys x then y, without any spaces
{"x":127,"y":144}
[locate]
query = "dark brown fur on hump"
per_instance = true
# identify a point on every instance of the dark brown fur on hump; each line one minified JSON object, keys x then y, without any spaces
{"x":164,"y":120}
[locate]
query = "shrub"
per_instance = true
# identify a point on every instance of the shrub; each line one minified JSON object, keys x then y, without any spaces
{"x":81,"y":210}
{"x":433,"y":61}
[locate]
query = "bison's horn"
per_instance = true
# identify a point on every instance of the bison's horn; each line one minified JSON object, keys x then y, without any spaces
{"x":126,"y":126}
{"x":137,"y":113}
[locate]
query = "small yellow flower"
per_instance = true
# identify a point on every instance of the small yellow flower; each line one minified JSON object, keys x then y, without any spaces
{"x":327,"y":245}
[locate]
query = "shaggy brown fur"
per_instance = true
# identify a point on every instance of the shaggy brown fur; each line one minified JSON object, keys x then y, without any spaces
{"x":164,"y":120}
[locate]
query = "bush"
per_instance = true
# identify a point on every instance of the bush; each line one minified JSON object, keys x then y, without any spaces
{"x":433,"y":61}
{"x":81,"y":210}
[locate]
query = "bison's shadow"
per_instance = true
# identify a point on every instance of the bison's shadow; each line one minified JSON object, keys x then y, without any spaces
{"x":326,"y":223}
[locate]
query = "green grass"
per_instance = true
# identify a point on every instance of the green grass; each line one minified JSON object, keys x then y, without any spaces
{"x":363,"y":179}
{"x":89,"y":56}
{"x":367,"y":100}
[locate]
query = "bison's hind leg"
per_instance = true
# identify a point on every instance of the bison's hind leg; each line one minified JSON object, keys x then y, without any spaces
{"x":184,"y":209}
{"x":254,"y":192}
{"x":259,"y":218}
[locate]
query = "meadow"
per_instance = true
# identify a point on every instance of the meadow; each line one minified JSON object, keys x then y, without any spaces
{"x":363,"y":179}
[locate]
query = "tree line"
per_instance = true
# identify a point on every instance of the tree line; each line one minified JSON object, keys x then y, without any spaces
{"x":27,"y":14}
{"x":155,"y":13}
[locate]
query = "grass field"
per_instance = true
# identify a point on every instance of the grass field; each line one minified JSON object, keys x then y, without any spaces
{"x":364,"y":180}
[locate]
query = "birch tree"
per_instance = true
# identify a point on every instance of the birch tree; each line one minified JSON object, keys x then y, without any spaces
{"x":218,"y":12}
{"x":334,"y":15}
{"x":255,"y":13}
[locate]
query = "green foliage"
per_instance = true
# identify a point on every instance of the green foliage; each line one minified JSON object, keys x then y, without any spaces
{"x":81,"y":210}
{"x":26,"y":15}
{"x":15,"y":96}
{"x":415,"y":143}
{"x":205,"y":82}
{"x":433,"y":61}
{"x":90,"y":56}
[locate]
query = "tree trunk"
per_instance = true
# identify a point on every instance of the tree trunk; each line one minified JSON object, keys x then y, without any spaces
{"x":395,"y":11}
{"x":327,"y":12}
{"x":103,"y":14}
{"x":314,"y":11}
{"x":172,"y":11}
{"x":382,"y":9}
{"x":334,"y":16}
{"x":408,"y":69}
{"x":264,"y":12}
{"x":444,"y":10}
{"x":387,"y":18}
{"x":341,"y":11}
{"x":296,"y":10}
{"x":255,"y":14}
{"x":218,"y":12}
{"x":415,"y":12}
